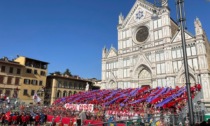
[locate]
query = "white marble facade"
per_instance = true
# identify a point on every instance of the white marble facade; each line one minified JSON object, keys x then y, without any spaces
{"x":156,"y":58}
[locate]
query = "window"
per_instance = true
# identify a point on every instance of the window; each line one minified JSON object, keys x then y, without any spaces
{"x":177,"y":53}
{"x":126,"y":73}
{"x":7,"y":93}
{"x":126,"y":62}
{"x":42,"y":73}
{"x":111,"y":65}
{"x":157,"y":23}
{"x":126,"y":43}
{"x":188,"y":51}
{"x":26,"y":81}
{"x":158,"y":34}
{"x":59,"y":84}
{"x":40,"y":82}
{"x":17,"y":81}
{"x":34,"y":82}
{"x":195,"y":63}
{"x":64,"y":94}
{"x":35,"y":71}
{"x":32,"y":92}
{"x":3,"y":68}
{"x":28,"y":71}
{"x":25,"y":92}
{"x":11,"y":70}
{"x":65,"y":84}
{"x":58,"y":93}
{"x":76,"y":85}
{"x":70,"y":93}
{"x":177,"y":65}
{"x":18,"y":71}
{"x":161,"y":68}
{"x":44,"y":66}
{"x":193,"y":49}
{"x":71,"y":85}
{"x":9,"y":80}
{"x":160,"y":56}
{"x":1,"y":79}
{"x":108,"y":74}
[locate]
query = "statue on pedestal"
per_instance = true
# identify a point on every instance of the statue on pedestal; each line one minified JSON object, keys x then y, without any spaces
{"x":87,"y":87}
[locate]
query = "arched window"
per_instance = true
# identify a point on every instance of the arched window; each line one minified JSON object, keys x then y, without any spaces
{"x":64,"y":94}
{"x":58,"y":94}
{"x":70,"y":93}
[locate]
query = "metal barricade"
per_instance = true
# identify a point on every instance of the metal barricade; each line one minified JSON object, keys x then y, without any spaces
{"x":153,"y":120}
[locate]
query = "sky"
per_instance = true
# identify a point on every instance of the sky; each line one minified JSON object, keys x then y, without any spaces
{"x":71,"y":33}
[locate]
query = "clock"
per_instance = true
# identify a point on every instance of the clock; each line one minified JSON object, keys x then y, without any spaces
{"x":142,"y":34}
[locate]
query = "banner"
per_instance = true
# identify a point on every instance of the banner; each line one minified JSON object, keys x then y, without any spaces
{"x":79,"y":107}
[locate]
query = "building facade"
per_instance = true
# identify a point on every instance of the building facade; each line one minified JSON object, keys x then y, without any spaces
{"x":10,"y":77}
{"x":59,"y":85}
{"x":150,"y":52}
{"x":34,"y":76}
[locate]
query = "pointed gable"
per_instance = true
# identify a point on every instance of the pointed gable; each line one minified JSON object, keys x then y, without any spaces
{"x":112,"y":52}
{"x":177,"y":36}
{"x":141,"y":10}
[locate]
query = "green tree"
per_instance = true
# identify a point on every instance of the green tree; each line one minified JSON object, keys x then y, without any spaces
{"x":67,"y":72}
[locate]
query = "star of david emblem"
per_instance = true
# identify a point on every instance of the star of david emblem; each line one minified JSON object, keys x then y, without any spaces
{"x":139,"y":15}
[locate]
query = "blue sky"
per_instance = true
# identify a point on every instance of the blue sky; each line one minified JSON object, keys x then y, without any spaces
{"x":71,"y":33}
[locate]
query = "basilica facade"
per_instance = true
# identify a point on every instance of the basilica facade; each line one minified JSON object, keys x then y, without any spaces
{"x":150,"y":52}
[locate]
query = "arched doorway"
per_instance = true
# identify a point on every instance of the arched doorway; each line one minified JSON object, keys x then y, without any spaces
{"x":144,"y":75}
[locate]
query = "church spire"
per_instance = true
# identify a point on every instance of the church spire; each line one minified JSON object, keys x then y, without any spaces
{"x":104,"y":51}
{"x":121,"y":18}
{"x":198,"y":27}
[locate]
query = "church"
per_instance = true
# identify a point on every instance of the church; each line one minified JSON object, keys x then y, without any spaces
{"x":150,"y":52}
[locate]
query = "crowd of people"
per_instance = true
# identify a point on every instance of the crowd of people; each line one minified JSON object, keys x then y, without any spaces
{"x":129,"y":102}
{"x":22,"y":119}
{"x":147,"y":104}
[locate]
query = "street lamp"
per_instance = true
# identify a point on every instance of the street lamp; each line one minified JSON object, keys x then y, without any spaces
{"x":181,"y":16}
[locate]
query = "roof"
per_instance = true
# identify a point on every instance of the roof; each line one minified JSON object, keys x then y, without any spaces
{"x":33,"y":59}
{"x":68,"y":78}
{"x":10,"y":62}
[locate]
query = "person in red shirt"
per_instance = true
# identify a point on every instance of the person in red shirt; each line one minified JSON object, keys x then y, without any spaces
{"x":37,"y":119}
{"x":14,"y":118}
{"x":23,"y":119}
{"x":9,"y":120}
{"x":28,"y":117}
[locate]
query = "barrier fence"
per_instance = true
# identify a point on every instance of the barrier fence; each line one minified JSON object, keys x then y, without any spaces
{"x":151,"y":120}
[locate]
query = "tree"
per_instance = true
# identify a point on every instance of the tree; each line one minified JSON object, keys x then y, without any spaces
{"x":67,"y":72}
